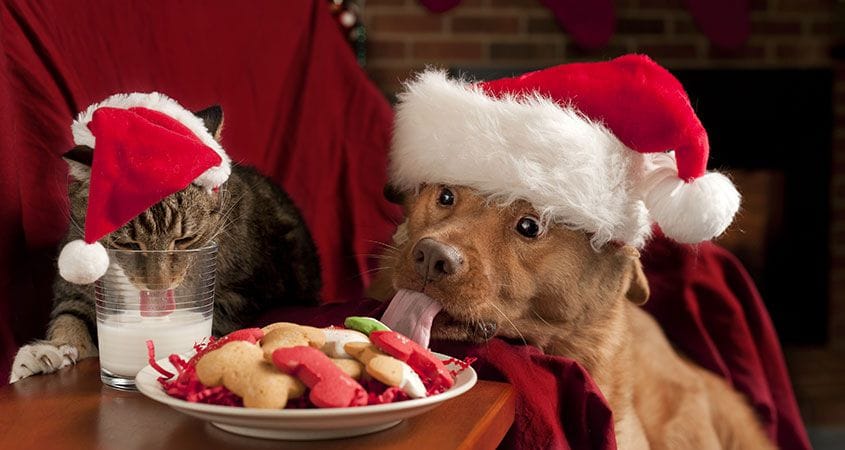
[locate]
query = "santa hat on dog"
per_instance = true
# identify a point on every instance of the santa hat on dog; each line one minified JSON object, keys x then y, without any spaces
{"x":608,"y":148}
{"x":146,"y":147}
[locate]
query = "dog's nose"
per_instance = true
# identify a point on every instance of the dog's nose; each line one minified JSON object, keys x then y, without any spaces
{"x":433,"y":260}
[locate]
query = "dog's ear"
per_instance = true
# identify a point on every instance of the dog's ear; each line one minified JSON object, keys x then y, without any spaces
{"x":637,"y":291}
{"x":79,"y":160}
{"x":212,"y":117}
{"x":393,"y":194}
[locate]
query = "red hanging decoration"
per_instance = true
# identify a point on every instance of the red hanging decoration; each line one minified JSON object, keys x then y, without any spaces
{"x":725,"y":22}
{"x":591,"y":24}
{"x":439,"y":6}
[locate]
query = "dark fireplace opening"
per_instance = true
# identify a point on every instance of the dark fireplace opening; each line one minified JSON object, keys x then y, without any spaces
{"x":771,"y":130}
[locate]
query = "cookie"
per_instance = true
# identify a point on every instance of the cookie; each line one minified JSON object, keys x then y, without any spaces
{"x":387,"y":369}
{"x":240,"y":366}
{"x":336,"y":338}
{"x":350,"y":367}
{"x":420,"y":359}
{"x":365,"y":325}
{"x":285,"y":334}
{"x":330,"y":386}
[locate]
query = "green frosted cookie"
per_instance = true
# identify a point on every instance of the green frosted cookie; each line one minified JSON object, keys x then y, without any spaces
{"x":365,"y":325}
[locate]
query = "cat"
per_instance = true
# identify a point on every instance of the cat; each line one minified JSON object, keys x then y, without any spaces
{"x":266,"y":255}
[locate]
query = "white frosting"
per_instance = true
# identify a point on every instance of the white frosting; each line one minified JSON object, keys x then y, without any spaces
{"x":336,"y":338}
{"x":411,"y":383}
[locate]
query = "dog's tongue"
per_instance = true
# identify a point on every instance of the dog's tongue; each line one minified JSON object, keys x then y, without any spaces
{"x":411,"y":313}
{"x":157,"y":303}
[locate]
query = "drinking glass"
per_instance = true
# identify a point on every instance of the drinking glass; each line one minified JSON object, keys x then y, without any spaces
{"x":163,"y":296}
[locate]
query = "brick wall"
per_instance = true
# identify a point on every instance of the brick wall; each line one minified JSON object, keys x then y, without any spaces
{"x":508,"y":34}
{"x":517,"y":33}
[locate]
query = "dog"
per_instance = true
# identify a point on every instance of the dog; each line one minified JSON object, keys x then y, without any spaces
{"x":500,"y":271}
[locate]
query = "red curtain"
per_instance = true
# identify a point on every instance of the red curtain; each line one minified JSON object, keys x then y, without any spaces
{"x":296,"y":104}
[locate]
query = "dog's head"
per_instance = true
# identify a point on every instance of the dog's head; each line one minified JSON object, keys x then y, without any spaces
{"x":498,"y":270}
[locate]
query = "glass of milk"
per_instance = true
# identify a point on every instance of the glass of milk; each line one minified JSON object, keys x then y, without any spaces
{"x":163,"y":296}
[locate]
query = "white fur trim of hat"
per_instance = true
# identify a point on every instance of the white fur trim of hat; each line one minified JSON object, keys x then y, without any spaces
{"x":570,"y":167}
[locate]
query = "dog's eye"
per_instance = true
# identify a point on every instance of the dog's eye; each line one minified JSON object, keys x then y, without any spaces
{"x":528,"y":227}
{"x":446,"y":197}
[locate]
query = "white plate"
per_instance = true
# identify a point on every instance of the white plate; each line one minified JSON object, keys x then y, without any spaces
{"x":301,"y":424}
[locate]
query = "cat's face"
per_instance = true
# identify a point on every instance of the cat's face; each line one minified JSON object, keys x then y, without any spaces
{"x":189,"y":219}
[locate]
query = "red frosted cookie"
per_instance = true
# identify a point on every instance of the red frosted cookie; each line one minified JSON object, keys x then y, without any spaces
{"x":330,"y":386}
{"x":420,"y":359}
{"x":251,"y":335}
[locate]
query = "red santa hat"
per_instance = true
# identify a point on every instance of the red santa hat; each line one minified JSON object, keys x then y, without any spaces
{"x":608,"y":148}
{"x":146,"y":147}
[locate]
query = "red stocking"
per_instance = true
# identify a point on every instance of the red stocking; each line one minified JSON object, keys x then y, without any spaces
{"x":724,"y":22}
{"x":439,"y":6}
{"x":590,"y":23}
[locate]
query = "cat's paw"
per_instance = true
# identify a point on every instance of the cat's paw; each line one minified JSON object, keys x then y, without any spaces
{"x":42,"y":357}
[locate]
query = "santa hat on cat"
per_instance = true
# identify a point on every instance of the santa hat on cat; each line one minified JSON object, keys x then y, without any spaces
{"x":146,"y":147}
{"x":608,"y":148}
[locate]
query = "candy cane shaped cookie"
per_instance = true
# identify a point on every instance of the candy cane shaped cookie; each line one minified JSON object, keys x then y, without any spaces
{"x":420,"y":359}
{"x":330,"y":386}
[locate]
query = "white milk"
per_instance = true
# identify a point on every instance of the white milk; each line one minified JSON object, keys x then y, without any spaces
{"x":123,"y":341}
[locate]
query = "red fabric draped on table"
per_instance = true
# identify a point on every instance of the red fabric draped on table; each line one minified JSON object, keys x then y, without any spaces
{"x":296,"y":104}
{"x":298,"y":107}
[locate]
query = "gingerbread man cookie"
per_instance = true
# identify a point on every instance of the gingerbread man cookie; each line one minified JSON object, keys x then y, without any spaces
{"x":240,"y":366}
{"x":286,"y":334}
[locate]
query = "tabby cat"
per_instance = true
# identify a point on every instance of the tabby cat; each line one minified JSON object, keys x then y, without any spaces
{"x":266,"y":255}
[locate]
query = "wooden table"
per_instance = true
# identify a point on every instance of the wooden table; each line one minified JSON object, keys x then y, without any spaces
{"x":72,"y":409}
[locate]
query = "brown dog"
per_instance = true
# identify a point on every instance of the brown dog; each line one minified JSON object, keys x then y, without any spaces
{"x":498,"y":271}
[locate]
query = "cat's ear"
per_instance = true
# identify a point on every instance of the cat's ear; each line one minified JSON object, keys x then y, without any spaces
{"x":79,"y":161}
{"x":212,"y":117}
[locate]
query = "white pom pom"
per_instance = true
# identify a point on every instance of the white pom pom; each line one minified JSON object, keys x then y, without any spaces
{"x":692,"y":212}
{"x":82,"y":263}
{"x":214,"y":176}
